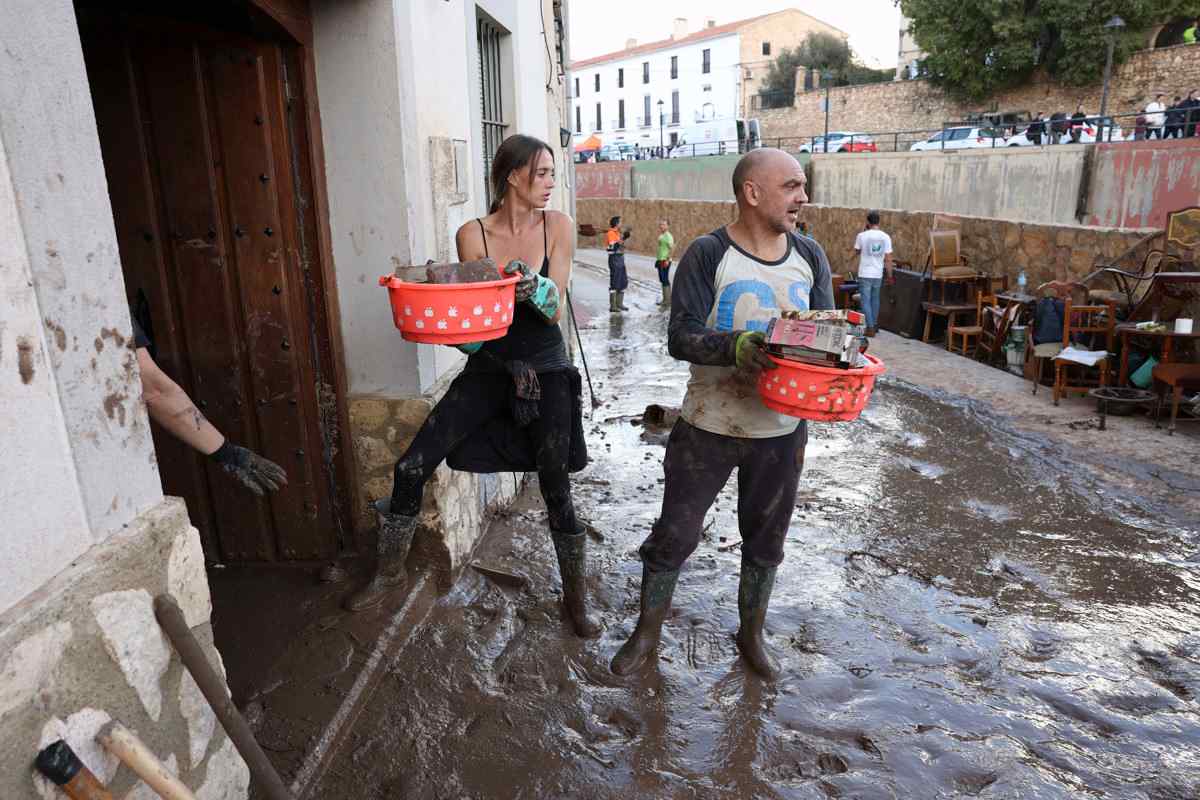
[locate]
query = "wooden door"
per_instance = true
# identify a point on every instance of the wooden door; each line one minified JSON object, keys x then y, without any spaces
{"x":207,"y":176}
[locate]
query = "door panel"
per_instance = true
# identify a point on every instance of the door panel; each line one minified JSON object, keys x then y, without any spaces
{"x":190,"y":120}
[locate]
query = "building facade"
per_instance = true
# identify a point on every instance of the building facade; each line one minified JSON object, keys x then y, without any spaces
{"x":239,"y":175}
{"x":909,"y":54}
{"x":650,"y":93}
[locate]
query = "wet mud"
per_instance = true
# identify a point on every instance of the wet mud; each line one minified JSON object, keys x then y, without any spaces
{"x":959,"y":615}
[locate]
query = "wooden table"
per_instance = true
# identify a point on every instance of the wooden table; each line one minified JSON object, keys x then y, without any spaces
{"x":1167,"y":337}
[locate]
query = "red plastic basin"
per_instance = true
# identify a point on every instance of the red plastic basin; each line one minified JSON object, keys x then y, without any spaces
{"x":451,"y":313}
{"x":821,"y":394}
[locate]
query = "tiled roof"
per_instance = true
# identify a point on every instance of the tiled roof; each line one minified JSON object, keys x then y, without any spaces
{"x":698,"y":36}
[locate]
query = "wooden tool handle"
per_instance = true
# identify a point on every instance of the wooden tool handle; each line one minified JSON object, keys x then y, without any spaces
{"x":125,"y":745}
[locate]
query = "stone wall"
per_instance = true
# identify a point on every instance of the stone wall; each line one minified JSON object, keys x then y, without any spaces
{"x":607,"y":179}
{"x":457,"y":506}
{"x":85,"y":648}
{"x":1044,"y":252}
{"x":914,"y":105}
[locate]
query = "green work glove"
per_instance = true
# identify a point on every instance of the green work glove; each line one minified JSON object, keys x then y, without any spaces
{"x":469,"y":347}
{"x":538,"y":291}
{"x":750,"y":352}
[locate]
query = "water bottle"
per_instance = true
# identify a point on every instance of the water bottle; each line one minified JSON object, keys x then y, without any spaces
{"x":1021,"y":282}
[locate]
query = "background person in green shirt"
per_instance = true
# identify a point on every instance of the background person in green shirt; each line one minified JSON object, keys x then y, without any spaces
{"x":1189,"y":36}
{"x":666,"y":243}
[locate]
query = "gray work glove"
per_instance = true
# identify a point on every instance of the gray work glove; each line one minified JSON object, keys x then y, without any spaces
{"x":249,"y":468}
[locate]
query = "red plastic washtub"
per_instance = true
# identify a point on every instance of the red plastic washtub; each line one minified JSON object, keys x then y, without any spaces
{"x":821,"y":394}
{"x":451,"y":313}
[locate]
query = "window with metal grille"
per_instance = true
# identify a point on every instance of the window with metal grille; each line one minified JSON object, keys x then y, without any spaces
{"x":646,"y":110}
{"x":577,"y":87}
{"x":578,"y":120}
{"x":675,"y":107}
{"x":597,"y":81}
{"x":620,"y":78}
{"x":491,"y":97}
{"x":674,"y":67}
{"x":598,"y":127}
{"x":766,"y":48}
{"x":620,"y":115}
{"x":645,"y":72}
{"x":707,"y":59}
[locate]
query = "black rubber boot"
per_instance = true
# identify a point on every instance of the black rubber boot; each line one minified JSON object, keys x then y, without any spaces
{"x":754,"y":594}
{"x":642,"y":647}
{"x":666,"y":290}
{"x":572,"y":567}
{"x":395,"y":537}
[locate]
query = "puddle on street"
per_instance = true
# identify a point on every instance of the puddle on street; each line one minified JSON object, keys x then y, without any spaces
{"x":957,"y":616}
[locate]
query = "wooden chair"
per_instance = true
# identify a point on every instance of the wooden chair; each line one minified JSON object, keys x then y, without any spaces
{"x":1085,"y":321}
{"x":969,"y":334}
{"x":1175,"y":377}
{"x":947,"y":268}
{"x":994,"y":325}
{"x":1036,"y":354}
{"x":1181,"y":248}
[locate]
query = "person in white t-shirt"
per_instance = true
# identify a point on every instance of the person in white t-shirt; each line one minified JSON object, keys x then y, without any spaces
{"x":874,"y":250}
{"x":1156,"y":117}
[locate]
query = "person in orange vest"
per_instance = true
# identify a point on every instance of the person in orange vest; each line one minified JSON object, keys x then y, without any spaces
{"x":618,"y":278}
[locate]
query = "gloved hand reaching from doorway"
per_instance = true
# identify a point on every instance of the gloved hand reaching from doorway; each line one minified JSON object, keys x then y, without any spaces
{"x":537,"y":290}
{"x":249,"y":468}
{"x":750,"y":352}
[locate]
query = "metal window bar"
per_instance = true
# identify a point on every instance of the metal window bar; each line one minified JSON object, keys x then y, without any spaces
{"x":491,"y":98}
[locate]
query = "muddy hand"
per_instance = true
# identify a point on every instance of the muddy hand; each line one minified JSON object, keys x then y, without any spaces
{"x":750,"y":353}
{"x":528,"y":283}
{"x":256,"y":473}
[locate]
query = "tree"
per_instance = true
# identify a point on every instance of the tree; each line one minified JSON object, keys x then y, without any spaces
{"x":976,"y":48}
{"x":822,"y":52}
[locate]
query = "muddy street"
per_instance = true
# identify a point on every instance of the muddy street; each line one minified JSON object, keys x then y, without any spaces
{"x":958,"y":615}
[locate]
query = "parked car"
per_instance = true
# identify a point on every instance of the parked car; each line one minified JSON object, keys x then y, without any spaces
{"x":621,"y":151}
{"x":962,"y":139}
{"x":840,"y":142}
{"x":1091,"y":131}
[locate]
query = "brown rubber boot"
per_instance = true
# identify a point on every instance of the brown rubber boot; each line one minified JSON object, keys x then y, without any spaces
{"x":613,"y":306}
{"x":754,"y":594}
{"x":395,"y":537}
{"x":642,"y":647}
{"x":621,"y":301}
{"x":666,"y":301}
{"x":572,"y":567}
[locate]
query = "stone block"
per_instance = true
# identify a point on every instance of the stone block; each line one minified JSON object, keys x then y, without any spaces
{"x":29,"y":669}
{"x":368,"y":413}
{"x":199,"y":716}
{"x":134,"y":641}
{"x":186,"y":579}
{"x":371,"y":454}
{"x":227,"y":777}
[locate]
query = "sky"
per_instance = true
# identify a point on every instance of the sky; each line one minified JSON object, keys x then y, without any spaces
{"x":602,"y":26}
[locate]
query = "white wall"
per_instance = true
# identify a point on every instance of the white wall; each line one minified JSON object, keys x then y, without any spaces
{"x":724,"y":78}
{"x":359,"y":73}
{"x":58,"y":232}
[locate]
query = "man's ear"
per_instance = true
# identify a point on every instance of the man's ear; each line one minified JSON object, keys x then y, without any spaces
{"x":750,"y":192}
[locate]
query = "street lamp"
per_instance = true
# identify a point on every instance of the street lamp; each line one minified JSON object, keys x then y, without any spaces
{"x":661,"y":121}
{"x":826,"y":77}
{"x":1113,"y":28}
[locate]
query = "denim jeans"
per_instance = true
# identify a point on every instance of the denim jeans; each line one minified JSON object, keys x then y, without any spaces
{"x":868,"y":292}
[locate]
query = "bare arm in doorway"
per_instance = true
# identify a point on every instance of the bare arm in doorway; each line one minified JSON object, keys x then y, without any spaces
{"x":171,"y":408}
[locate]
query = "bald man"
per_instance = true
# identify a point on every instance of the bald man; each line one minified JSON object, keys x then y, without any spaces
{"x":728,"y":285}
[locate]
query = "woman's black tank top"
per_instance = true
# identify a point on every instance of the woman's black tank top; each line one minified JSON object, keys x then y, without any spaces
{"x":529,"y":335}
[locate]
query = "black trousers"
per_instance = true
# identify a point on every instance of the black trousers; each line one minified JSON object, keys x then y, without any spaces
{"x":618,"y":279}
{"x":697,"y":465}
{"x":664,"y":271}
{"x":474,"y":399}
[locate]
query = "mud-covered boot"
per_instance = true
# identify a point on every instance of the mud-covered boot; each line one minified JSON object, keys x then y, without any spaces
{"x":754,"y":594}
{"x":642,"y":647}
{"x":572,"y":567}
{"x":666,"y":301}
{"x":621,"y":301}
{"x":613,"y":306}
{"x":395,"y":537}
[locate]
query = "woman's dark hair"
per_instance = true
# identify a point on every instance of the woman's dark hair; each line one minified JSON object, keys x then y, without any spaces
{"x":612,"y":223}
{"x":515,"y":152}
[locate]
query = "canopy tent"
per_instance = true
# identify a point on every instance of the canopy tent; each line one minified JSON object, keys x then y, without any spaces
{"x":590,"y":143}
